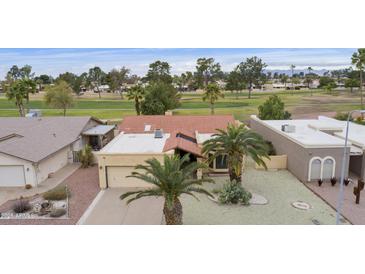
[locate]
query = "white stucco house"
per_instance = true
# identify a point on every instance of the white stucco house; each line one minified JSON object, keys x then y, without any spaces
{"x":31,"y":149}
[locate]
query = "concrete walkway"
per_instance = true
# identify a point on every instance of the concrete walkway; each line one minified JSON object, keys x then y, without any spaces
{"x":110,"y":210}
{"x":11,"y":193}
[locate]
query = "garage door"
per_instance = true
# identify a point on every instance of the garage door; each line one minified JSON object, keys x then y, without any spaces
{"x":12,"y":176}
{"x":117,"y":177}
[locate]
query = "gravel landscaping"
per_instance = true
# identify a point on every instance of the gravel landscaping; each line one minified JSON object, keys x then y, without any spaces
{"x":83,"y":185}
{"x":280,"y":188}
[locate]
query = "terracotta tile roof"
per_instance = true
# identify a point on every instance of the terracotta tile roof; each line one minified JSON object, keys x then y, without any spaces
{"x":177,"y":126}
{"x":169,"y":124}
{"x":180,"y":143}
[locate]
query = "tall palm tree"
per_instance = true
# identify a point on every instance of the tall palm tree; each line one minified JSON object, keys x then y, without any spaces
{"x":212,"y":94}
{"x":358,"y":59}
{"x":169,"y":180}
{"x":235,"y":143}
{"x":284,"y":79}
{"x":137,"y":94}
{"x":292,"y":67}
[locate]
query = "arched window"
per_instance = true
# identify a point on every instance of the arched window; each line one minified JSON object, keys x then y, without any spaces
{"x":315,"y":169}
{"x":328,"y":170}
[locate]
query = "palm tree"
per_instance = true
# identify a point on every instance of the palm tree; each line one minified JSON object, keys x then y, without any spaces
{"x":169,"y":180}
{"x":212,"y":94}
{"x":235,"y":143}
{"x":292,"y":67}
{"x":284,"y":79}
{"x":358,"y":59}
{"x":136,"y":93}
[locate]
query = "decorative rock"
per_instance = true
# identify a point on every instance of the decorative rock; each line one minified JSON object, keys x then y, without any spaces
{"x":46,"y":204}
{"x":58,"y":212}
{"x":301,"y":205}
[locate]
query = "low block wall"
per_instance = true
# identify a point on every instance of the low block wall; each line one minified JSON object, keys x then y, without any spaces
{"x":275,"y":162}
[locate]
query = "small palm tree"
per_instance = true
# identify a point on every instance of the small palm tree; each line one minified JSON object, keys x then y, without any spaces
{"x":212,"y":94}
{"x":235,"y":143}
{"x":358,"y":59}
{"x":136,"y":93}
{"x":170,"y":180}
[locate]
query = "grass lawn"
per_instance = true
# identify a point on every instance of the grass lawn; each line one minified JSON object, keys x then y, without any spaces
{"x":112,"y":107}
{"x":281,"y":189}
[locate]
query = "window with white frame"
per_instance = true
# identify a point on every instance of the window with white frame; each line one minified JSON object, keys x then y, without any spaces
{"x":219,"y":163}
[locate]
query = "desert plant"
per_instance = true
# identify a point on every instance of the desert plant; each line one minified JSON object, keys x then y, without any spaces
{"x":86,"y":157}
{"x":21,"y":205}
{"x":234,"y":193}
{"x":333,"y":181}
{"x":236,"y":142}
{"x":56,"y":194}
{"x":320,"y":182}
{"x":342,"y":116}
{"x":346,"y":181}
{"x":270,"y":148}
{"x":169,"y":179}
{"x":28,"y":186}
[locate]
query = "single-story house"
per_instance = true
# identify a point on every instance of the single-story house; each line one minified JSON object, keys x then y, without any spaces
{"x":314,"y":147}
{"x":145,"y":137}
{"x":32,"y":149}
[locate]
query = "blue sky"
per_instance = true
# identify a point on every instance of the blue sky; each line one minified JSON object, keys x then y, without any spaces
{"x":55,"y":61}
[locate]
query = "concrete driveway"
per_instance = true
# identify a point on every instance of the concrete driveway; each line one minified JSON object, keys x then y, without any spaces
{"x":109,"y":209}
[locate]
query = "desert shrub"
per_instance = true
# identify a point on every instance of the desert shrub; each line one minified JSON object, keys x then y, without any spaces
{"x":28,"y":186}
{"x":56,"y":194}
{"x":57,"y":213}
{"x":21,"y":206}
{"x":86,"y":156}
{"x":342,"y":116}
{"x":234,"y":193}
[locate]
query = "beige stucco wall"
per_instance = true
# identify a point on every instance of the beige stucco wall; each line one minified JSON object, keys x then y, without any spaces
{"x":298,"y":155}
{"x":124,"y":160}
{"x":275,"y":162}
{"x":29,"y":172}
{"x":52,"y":164}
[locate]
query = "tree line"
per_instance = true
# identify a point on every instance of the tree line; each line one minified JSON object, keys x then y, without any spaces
{"x":157,"y":91}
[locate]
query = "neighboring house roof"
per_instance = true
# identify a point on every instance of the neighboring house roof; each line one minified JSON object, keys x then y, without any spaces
{"x":179,"y":132}
{"x":313,"y":132}
{"x":98,"y":130}
{"x":202,"y":124}
{"x":36,"y":138}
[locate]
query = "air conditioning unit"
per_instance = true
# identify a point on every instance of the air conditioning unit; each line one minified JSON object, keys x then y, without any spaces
{"x":288,"y":128}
